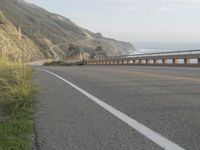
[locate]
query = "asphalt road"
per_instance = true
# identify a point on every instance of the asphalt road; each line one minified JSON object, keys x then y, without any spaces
{"x":167,"y":100}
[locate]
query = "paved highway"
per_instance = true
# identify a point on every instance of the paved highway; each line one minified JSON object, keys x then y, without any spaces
{"x":97,"y":108}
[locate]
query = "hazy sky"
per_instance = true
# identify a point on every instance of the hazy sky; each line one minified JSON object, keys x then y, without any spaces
{"x":133,"y":20}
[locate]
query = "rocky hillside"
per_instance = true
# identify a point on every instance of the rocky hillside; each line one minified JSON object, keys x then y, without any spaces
{"x":15,"y":46}
{"x":53,"y":33}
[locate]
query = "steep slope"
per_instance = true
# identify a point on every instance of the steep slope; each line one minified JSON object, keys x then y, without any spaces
{"x":14,"y":45}
{"x":48,"y":30}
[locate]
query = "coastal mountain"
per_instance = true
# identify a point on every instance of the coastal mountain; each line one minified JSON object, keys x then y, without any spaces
{"x":48,"y":35}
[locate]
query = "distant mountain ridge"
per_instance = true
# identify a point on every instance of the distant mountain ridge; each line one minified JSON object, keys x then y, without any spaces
{"x":48,"y":31}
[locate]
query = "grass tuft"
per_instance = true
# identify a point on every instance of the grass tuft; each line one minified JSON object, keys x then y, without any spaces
{"x":16,"y":99}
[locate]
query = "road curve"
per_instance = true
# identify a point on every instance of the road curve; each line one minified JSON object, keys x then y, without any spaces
{"x":166,"y":100}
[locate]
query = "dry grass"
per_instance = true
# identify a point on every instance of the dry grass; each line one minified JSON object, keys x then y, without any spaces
{"x":16,"y":99}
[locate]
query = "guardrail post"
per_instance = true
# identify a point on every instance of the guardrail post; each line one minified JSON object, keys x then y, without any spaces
{"x":198,"y":60}
{"x":186,"y":61}
{"x":175,"y":61}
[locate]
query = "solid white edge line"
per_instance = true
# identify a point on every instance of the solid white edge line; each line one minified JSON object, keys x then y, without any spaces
{"x":144,"y":130}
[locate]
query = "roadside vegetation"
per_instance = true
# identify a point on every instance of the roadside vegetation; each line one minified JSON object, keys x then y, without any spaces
{"x":65,"y":63}
{"x":16,"y":99}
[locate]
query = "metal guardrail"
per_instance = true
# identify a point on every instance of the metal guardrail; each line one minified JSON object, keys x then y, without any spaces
{"x":186,"y":52}
{"x":186,"y":55}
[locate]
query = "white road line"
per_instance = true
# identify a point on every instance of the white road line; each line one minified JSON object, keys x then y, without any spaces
{"x":147,"y":132}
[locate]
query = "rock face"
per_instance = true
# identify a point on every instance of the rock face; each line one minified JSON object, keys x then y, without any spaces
{"x":51,"y":33}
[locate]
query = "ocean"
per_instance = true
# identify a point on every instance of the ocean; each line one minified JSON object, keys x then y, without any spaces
{"x":147,"y":47}
{"x":144,"y":48}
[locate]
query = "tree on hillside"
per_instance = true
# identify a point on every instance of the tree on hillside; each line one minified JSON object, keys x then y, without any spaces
{"x":98,"y":53}
{"x":99,"y":49}
{"x":72,"y":50}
